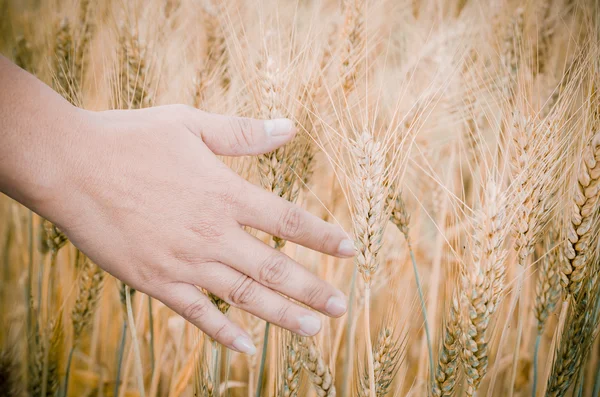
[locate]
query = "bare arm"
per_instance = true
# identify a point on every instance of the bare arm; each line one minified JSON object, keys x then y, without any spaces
{"x":142,"y":194}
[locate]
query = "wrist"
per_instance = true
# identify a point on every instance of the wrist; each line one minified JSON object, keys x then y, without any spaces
{"x":47,"y":164}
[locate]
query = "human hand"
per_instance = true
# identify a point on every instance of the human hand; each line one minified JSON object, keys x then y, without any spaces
{"x":145,"y":197}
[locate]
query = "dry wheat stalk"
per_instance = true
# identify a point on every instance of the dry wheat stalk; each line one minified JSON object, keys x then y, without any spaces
{"x":386,"y":359}
{"x":89,"y":283}
{"x":446,"y":373}
{"x":483,"y":283}
{"x":318,"y":370}
{"x":580,"y":227}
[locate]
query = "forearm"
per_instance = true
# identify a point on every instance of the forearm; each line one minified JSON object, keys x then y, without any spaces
{"x":38,"y":135}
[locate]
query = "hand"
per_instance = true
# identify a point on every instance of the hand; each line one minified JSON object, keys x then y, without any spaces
{"x":145,"y":197}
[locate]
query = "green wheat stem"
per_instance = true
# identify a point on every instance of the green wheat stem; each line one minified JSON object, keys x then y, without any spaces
{"x":120,"y":357}
{"x":29,"y":272}
{"x":423,"y":309}
{"x":151,"y":325}
{"x":536,"y":350}
{"x":263,"y":359}
{"x":67,"y":372}
{"x":596,"y":392}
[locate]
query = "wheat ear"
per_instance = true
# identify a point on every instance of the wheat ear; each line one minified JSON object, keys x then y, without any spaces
{"x":352,"y":41}
{"x":483,"y":283}
{"x":548,"y":290}
{"x":580,"y":231}
{"x":89,"y":285}
{"x":576,"y":339}
{"x":10,"y":377}
{"x":131,"y":90}
{"x":318,"y":371}
{"x":369,"y":221}
{"x":292,"y":362}
{"x":446,"y":373}
{"x":386,"y":359}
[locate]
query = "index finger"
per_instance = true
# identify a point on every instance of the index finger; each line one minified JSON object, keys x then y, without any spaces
{"x":274,"y":215}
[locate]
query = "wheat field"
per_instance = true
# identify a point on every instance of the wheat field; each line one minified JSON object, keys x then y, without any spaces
{"x":457,"y":140}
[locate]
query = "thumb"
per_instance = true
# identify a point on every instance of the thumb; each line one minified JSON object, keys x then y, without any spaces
{"x":240,"y":136}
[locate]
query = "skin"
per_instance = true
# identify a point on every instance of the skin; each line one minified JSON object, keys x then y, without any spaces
{"x":143,"y":195}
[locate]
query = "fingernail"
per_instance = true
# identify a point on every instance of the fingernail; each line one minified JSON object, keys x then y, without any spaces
{"x":346,"y":248}
{"x":279,"y":127}
{"x":243,"y":344}
{"x":336,"y":306}
{"x":309,"y":325}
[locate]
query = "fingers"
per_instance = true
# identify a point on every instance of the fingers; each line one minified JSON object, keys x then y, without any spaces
{"x":278,"y":217}
{"x":195,"y":307}
{"x":242,"y":291}
{"x":239,"y":136}
{"x":279,"y":272}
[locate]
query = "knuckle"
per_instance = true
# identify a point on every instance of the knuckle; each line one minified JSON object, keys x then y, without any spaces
{"x":196,"y":311}
{"x":243,"y":291}
{"x":241,"y":131}
{"x":221,"y":333}
{"x":312,"y":294}
{"x":230,"y":195}
{"x":290,"y":226}
{"x":326,"y":241}
{"x":206,"y":231}
{"x":283,"y":314}
{"x":275,"y":270}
